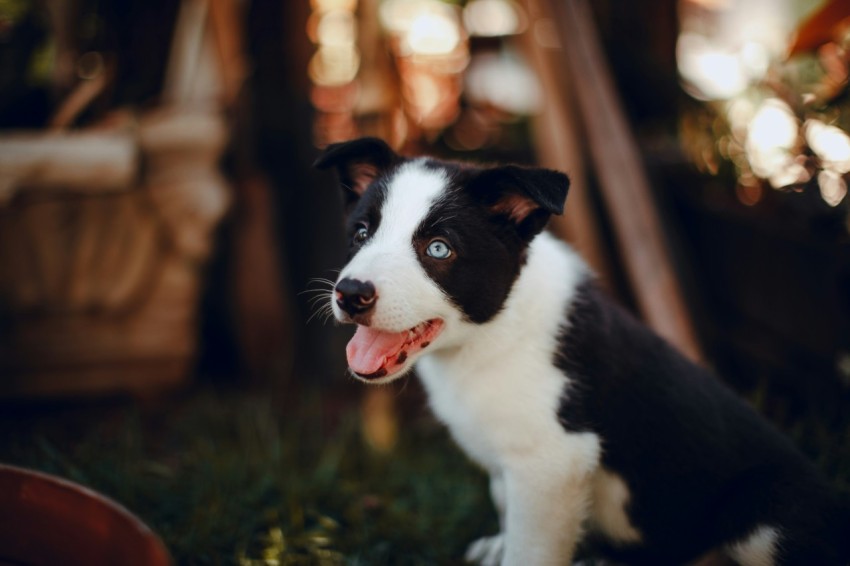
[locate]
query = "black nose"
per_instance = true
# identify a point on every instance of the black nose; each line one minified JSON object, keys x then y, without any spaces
{"x":355,"y":296}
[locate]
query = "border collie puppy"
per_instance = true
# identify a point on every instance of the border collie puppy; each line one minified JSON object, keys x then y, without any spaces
{"x":592,"y":428}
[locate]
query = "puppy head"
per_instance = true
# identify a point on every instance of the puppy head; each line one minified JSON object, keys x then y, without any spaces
{"x":434,"y":247}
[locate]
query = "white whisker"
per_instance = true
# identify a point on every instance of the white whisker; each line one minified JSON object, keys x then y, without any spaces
{"x":323,"y":312}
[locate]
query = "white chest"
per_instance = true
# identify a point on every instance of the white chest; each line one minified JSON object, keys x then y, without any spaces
{"x":498,"y":391}
{"x":497,"y":409}
{"x":505,"y":416}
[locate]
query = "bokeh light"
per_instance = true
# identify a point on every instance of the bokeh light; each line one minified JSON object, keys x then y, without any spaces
{"x":414,"y":70}
{"x":732,"y":54}
{"x":493,"y":18}
{"x":713,"y":74}
{"x":433,"y":33}
{"x":832,"y":187}
{"x":830,"y":144}
{"x":503,"y":81}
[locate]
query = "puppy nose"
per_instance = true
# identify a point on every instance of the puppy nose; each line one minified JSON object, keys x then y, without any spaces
{"x":355,"y":296}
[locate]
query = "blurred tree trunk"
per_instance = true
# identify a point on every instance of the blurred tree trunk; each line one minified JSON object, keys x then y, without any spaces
{"x":307,"y":207}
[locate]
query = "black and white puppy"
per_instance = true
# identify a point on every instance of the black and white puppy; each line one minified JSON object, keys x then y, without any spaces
{"x":592,"y":428}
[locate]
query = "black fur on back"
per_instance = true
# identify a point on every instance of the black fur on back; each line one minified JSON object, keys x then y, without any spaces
{"x":702,"y":467}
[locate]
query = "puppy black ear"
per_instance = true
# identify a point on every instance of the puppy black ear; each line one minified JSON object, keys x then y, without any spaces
{"x":358,"y":162}
{"x":525,"y":196}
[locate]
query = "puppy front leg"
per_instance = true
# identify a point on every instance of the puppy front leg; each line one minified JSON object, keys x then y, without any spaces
{"x":488,"y":551}
{"x":545,"y":512}
{"x":498,"y":495}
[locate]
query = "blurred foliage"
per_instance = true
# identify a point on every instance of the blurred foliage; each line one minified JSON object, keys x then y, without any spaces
{"x":787,"y":130}
{"x":224,"y":480}
{"x":13,"y":10}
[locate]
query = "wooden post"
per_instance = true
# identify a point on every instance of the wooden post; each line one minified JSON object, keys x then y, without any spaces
{"x":557,"y":133}
{"x":227,"y":21}
{"x":622,"y":179}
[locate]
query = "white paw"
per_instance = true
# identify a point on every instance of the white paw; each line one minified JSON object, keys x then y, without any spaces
{"x":486,"y":551}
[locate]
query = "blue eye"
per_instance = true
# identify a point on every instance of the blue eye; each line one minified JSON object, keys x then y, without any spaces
{"x":361,"y":234}
{"x":438,"y":249}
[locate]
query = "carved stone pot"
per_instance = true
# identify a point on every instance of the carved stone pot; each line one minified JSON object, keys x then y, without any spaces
{"x":102,"y":253}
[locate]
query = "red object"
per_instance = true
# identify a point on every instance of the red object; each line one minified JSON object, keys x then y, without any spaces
{"x":47,"y":520}
{"x":821,"y":27}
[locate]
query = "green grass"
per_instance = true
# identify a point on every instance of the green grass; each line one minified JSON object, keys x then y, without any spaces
{"x":229,"y":477}
{"x":224,"y":478}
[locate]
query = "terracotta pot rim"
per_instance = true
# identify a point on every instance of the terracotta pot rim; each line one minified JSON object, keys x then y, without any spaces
{"x":118,"y":511}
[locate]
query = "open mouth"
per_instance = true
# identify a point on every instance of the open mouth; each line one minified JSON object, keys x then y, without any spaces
{"x":373,"y":353}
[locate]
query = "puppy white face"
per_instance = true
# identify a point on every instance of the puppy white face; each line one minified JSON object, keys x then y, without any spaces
{"x":410,"y":310}
{"x":434,"y":247}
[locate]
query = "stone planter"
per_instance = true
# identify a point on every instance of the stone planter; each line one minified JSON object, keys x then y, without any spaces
{"x":103,"y":240}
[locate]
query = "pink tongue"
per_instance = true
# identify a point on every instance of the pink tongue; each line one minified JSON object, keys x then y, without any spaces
{"x":368,"y":348}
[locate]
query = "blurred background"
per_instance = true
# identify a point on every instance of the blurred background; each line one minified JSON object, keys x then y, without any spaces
{"x":163,"y":238}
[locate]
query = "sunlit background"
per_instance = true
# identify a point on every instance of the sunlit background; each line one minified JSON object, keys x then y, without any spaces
{"x":454,"y":70}
{"x":420,"y":69}
{"x":777,"y":105}
{"x":165,"y":244}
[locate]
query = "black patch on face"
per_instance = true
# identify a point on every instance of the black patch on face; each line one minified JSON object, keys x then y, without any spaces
{"x":366,"y":211}
{"x":487,"y":252}
{"x":702,"y":467}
